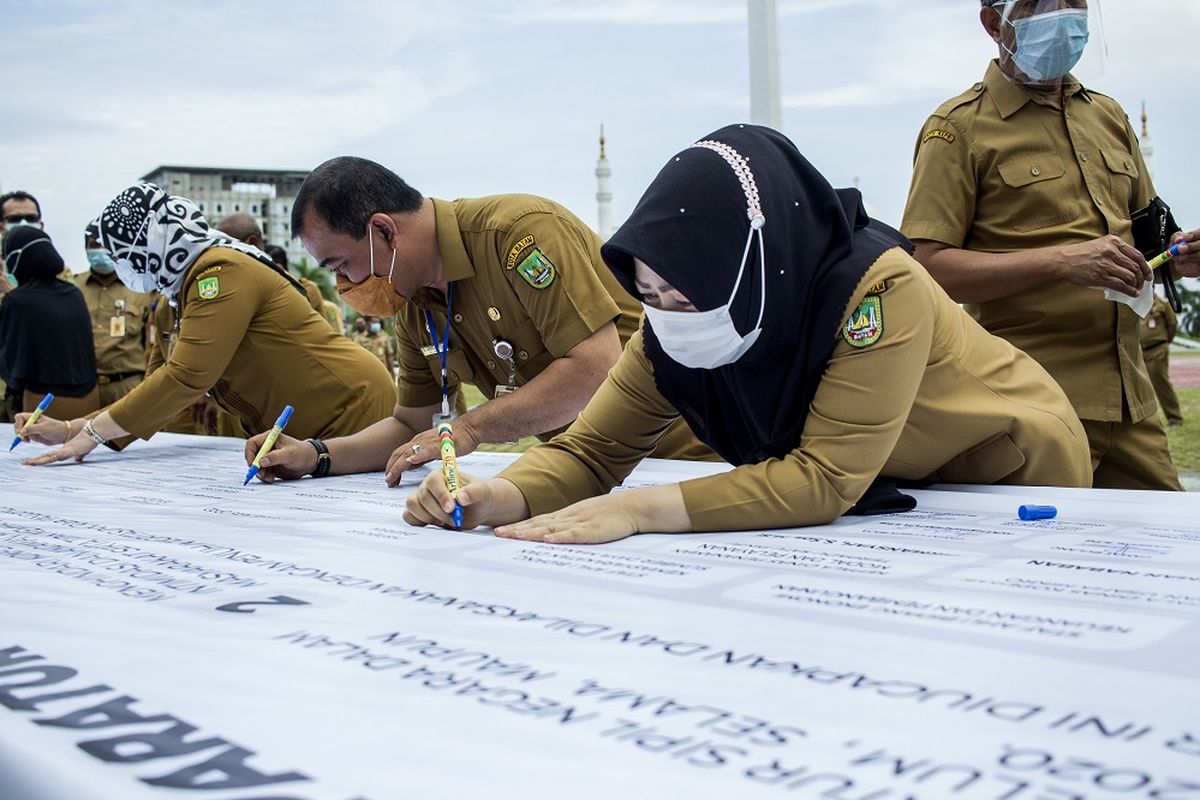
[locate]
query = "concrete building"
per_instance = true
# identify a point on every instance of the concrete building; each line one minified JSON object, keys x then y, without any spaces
{"x":265,"y":194}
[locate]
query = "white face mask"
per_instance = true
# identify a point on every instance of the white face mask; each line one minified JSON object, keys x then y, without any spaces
{"x":708,"y":339}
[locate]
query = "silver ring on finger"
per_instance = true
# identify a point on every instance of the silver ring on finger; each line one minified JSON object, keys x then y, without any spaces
{"x":416,"y":448}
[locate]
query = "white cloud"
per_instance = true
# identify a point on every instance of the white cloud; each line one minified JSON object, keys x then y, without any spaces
{"x":506,"y":95}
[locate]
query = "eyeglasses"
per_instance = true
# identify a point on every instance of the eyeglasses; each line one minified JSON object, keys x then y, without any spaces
{"x":17,"y":219}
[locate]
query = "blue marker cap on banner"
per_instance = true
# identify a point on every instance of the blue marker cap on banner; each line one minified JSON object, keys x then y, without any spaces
{"x":1037,"y":512}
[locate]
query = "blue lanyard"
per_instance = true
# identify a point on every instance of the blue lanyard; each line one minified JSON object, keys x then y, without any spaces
{"x":443,"y":350}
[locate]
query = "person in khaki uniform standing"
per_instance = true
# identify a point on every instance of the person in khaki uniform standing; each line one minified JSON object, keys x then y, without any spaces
{"x":1020,"y":204}
{"x":369,"y":334}
{"x":235,"y":326}
{"x":119,"y":325}
{"x":1158,"y":331}
{"x":801,"y":342}
{"x":509,"y":289}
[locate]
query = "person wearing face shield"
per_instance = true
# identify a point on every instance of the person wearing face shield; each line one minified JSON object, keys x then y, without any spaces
{"x":230,"y":323}
{"x":1030,"y":203}
{"x":120,"y":319}
{"x":45,"y":331}
{"x":800,"y":341}
{"x":506,"y":293}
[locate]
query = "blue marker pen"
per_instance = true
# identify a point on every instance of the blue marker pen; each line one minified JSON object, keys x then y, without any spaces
{"x":1165,"y":256}
{"x":37,"y":412}
{"x":268,"y":443}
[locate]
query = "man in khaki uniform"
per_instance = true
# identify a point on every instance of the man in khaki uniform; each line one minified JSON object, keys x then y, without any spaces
{"x":514,"y":283}
{"x":1020,"y":206}
{"x":369,"y":334}
{"x":238,"y":329}
{"x":119,"y":325}
{"x":1158,"y":331}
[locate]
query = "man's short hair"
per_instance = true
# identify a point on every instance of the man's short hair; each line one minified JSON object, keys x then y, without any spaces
{"x":241,"y":226}
{"x":346,"y":191}
{"x":19,"y":195}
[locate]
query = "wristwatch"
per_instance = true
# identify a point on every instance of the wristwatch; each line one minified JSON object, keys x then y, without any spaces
{"x":323,"y":462}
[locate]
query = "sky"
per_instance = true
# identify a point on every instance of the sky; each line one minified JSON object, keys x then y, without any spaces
{"x":479,"y":97}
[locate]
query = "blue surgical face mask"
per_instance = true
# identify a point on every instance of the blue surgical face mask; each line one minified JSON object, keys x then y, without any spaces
{"x":101,"y":262}
{"x":376,"y":327}
{"x":1049,"y":45}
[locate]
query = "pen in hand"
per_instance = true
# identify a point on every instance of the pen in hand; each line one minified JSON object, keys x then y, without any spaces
{"x":37,"y":412}
{"x":1165,"y":256}
{"x":450,"y":469}
{"x":268,"y":443}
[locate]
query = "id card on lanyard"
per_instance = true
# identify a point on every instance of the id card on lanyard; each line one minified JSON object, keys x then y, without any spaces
{"x":442,"y":348}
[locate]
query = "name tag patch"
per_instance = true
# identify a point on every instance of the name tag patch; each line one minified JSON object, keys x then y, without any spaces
{"x":945,"y":136}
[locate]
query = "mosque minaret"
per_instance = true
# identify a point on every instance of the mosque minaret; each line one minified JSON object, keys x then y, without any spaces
{"x":603,"y":193}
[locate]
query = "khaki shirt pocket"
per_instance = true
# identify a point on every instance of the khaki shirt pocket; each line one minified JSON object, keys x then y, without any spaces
{"x":531,"y":355}
{"x":1123,"y":174}
{"x":1038,"y":197}
{"x":458,"y":368}
{"x":990,"y":461}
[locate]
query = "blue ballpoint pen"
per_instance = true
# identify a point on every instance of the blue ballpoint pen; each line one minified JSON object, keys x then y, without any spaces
{"x":37,"y":412}
{"x":268,"y":443}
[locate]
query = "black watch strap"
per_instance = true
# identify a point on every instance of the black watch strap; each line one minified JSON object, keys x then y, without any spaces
{"x":323,"y":462}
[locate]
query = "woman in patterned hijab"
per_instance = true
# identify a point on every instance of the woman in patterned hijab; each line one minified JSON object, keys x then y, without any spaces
{"x":155,"y":237}
{"x":236,"y":328}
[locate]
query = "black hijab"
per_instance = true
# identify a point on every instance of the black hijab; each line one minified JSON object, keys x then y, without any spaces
{"x":45,"y":327}
{"x":691,"y":228}
{"x":30,"y":255}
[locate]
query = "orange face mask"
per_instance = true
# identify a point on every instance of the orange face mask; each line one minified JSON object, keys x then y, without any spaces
{"x":376,"y":296}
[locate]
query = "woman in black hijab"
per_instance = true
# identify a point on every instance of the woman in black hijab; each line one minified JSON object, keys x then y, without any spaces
{"x":45,"y":330}
{"x":800,"y":340}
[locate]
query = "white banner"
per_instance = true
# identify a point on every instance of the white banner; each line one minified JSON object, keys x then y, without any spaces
{"x":168,"y":633}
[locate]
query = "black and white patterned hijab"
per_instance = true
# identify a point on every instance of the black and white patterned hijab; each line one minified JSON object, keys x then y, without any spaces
{"x":155,"y":237}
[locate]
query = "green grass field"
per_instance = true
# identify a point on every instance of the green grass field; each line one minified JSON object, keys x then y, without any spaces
{"x":1185,"y":439}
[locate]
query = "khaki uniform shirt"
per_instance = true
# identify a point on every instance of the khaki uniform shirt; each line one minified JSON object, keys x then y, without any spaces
{"x":525,"y":270}
{"x":378,"y":344}
{"x":313,"y":293}
{"x":998,"y":169}
{"x":1159,"y":326}
{"x":332,"y":312}
{"x":935,"y":396}
{"x":485,"y":246}
{"x":119,"y":317}
{"x":249,"y":339}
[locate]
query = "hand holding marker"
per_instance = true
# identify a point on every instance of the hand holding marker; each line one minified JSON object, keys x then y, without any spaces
{"x":1165,"y":256}
{"x":268,"y":443}
{"x":37,"y":412}
{"x":450,"y":469}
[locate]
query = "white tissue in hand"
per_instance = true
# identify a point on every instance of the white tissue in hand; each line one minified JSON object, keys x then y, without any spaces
{"x":1140,"y":304}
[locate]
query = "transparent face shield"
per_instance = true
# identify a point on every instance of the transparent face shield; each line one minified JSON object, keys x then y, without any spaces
{"x":1043,"y":40}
